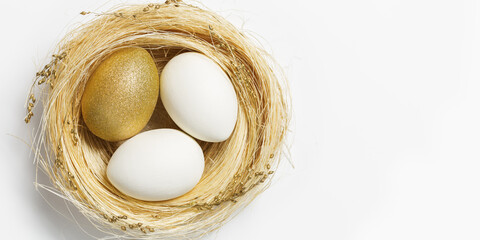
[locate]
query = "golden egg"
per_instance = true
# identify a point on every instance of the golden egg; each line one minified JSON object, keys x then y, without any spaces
{"x":121,"y":94}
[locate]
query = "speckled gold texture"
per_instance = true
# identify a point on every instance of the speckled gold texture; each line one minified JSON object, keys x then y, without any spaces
{"x":121,"y":94}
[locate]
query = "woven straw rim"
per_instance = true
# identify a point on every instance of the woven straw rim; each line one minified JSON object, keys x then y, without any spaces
{"x":236,"y":170}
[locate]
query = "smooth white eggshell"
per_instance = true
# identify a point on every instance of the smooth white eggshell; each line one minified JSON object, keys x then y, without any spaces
{"x":156,"y":165}
{"x":199,"y":97}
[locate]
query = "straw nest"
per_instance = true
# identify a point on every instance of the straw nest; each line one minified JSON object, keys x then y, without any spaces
{"x":236,"y":170}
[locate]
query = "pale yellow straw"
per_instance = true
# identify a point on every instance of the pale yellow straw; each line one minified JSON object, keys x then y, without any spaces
{"x":236,"y":170}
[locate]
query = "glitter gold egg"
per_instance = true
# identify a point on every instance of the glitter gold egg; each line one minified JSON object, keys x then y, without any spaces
{"x":121,"y":94}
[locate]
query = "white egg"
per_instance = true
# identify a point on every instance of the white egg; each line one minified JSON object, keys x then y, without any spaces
{"x":199,"y":97}
{"x":156,"y":165}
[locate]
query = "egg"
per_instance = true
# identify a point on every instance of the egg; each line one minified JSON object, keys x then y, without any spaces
{"x":199,"y":97}
{"x":156,"y":165}
{"x":121,"y":94}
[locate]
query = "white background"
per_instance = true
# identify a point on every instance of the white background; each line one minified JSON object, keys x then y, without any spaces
{"x":386,"y":128}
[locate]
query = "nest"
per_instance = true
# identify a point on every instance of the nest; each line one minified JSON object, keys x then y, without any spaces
{"x":236,"y":170}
